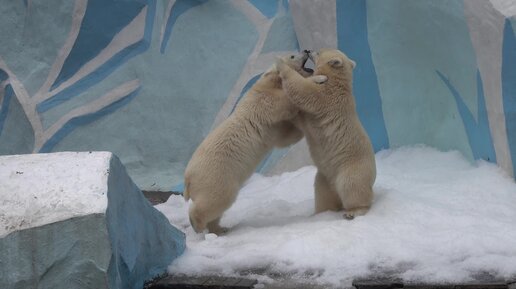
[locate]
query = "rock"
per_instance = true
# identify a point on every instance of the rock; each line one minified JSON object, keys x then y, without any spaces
{"x":76,"y":220}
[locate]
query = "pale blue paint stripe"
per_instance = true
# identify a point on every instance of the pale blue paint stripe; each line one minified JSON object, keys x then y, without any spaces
{"x":266,"y":7}
{"x":353,"y":40}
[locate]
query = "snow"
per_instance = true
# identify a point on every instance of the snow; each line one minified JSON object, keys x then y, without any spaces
{"x":435,"y":218}
{"x":38,"y":189}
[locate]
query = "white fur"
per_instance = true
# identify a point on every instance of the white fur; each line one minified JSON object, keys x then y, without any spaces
{"x":231,"y":152}
{"x":339,"y":145}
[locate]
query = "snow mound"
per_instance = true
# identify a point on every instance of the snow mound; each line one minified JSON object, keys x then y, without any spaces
{"x":435,"y":218}
{"x":37,"y":189}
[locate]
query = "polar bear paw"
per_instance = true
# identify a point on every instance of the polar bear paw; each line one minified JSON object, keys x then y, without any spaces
{"x":352,"y":213}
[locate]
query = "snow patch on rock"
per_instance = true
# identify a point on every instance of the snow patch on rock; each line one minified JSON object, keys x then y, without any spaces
{"x":37,"y":189}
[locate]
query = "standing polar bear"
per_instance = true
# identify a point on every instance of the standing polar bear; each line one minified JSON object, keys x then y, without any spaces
{"x":229,"y":155}
{"x":338,"y":144}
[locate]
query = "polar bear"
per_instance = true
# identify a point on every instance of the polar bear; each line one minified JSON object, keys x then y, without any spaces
{"x":338,"y":144}
{"x":231,"y":152}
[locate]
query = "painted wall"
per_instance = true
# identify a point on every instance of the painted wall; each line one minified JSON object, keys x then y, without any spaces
{"x":148,"y":79}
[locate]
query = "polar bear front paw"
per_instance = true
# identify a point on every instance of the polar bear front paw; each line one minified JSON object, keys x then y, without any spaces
{"x":319,"y":79}
{"x":280,"y":64}
{"x":351,"y":214}
{"x":217,"y":229}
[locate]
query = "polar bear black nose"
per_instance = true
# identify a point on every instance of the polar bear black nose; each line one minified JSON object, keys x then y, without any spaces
{"x":307,"y":51}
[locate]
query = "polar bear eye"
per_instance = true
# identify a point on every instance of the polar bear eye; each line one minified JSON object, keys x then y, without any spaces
{"x":292,"y":56}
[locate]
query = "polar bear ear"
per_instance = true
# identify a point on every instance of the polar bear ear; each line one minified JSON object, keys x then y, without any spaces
{"x":353,"y":64}
{"x":335,"y":62}
{"x":272,"y":68}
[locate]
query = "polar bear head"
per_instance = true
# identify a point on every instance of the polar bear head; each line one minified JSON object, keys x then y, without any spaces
{"x":295,"y":61}
{"x":298,"y":61}
{"x":332,"y":62}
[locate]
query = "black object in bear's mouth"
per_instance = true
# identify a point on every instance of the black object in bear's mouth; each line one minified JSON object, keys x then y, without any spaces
{"x":309,"y":70}
{"x":306,"y":69}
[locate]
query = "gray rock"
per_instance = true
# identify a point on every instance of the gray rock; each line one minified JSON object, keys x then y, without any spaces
{"x":122,"y":247}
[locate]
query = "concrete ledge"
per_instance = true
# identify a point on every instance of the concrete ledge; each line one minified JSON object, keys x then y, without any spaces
{"x":189,"y":282}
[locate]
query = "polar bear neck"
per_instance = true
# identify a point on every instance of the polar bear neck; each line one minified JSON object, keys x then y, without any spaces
{"x":271,"y":80}
{"x":341,"y":85}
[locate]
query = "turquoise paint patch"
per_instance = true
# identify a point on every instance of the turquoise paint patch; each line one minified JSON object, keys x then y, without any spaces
{"x":267,"y":7}
{"x":83,"y":120}
{"x":179,"y":7}
{"x":106,"y":68}
{"x":509,"y":87}
{"x":281,"y":36}
{"x":16,"y":134}
{"x":410,"y":40}
{"x":102,"y":20}
{"x":5,"y":99}
{"x":4,"y":105}
{"x":3,"y":75}
{"x":352,"y":33}
{"x":479,"y":134}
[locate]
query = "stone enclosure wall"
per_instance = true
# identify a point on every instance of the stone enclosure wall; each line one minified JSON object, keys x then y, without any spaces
{"x":148,"y":79}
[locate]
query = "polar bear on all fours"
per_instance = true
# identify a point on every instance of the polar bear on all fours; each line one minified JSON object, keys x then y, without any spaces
{"x":229,"y":154}
{"x":339,"y":145}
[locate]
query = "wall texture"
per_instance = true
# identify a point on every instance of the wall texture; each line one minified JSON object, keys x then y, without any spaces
{"x":148,"y":79}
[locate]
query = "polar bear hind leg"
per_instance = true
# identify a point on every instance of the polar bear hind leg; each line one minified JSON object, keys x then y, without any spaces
{"x":355,"y":191}
{"x":326,"y":198}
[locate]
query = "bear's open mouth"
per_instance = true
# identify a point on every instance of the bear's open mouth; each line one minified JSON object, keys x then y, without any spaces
{"x":306,"y":69}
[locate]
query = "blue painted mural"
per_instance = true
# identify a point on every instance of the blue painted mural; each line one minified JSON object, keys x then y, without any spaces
{"x":178,"y":8}
{"x":149,"y":79}
{"x":85,"y":119}
{"x":97,"y":30}
{"x":98,"y":21}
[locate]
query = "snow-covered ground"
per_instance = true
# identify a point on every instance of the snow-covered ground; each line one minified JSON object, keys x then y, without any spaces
{"x":37,"y":189}
{"x":435,"y":218}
